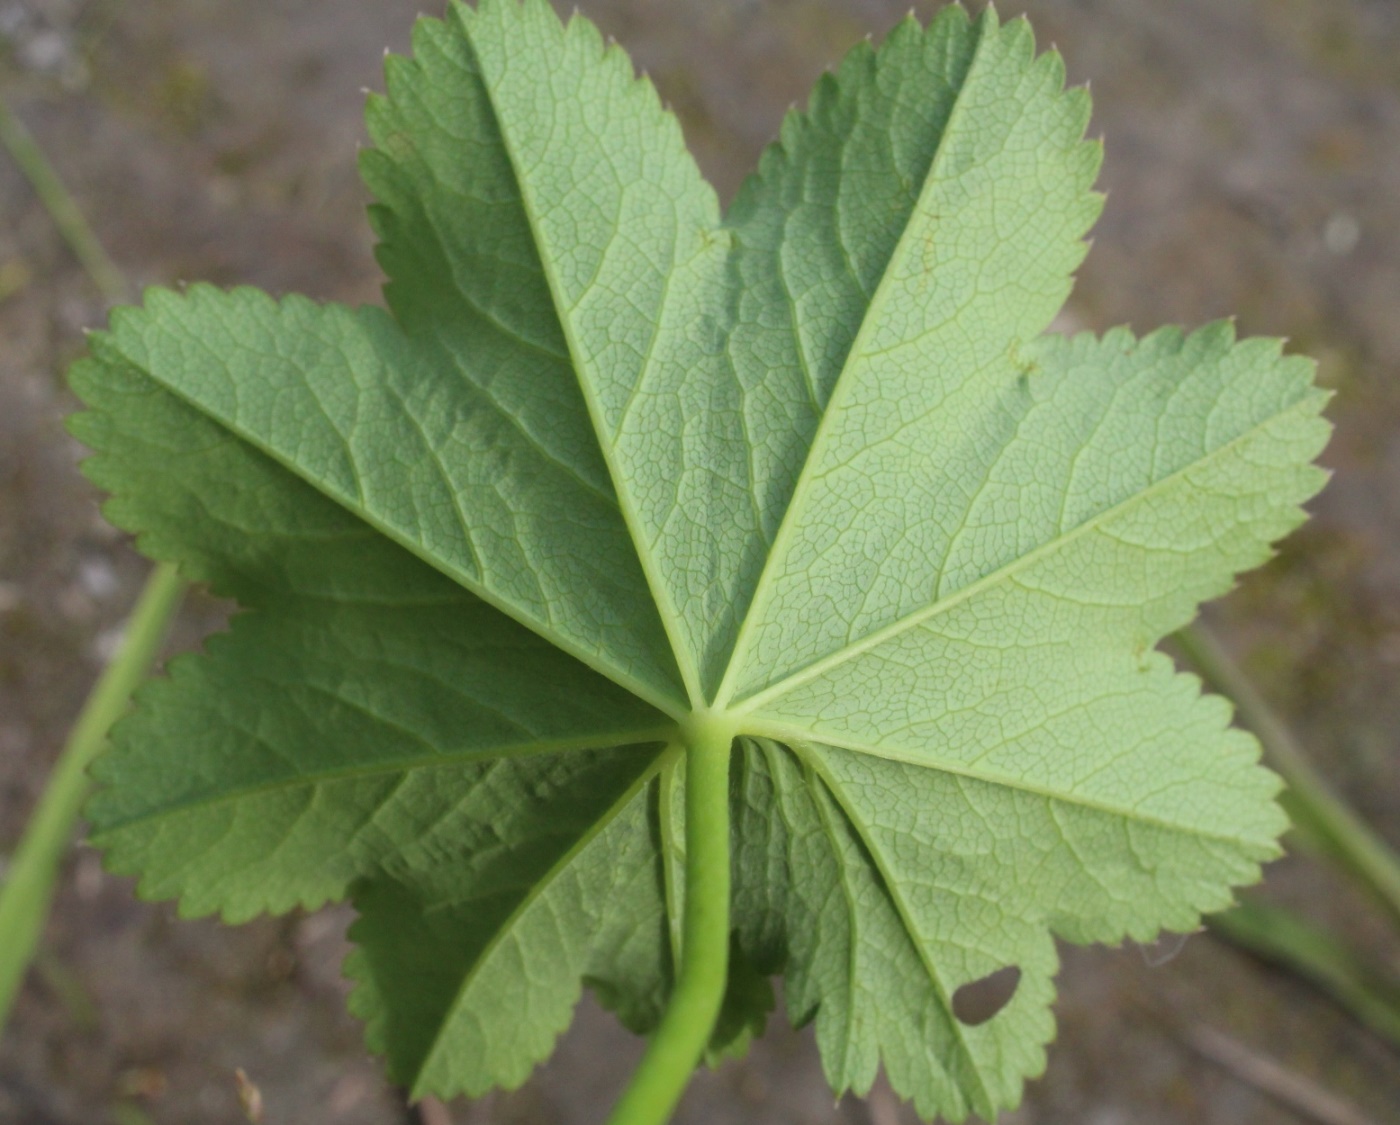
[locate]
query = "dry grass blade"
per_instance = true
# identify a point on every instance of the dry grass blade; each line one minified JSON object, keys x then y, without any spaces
{"x":1270,"y":1077}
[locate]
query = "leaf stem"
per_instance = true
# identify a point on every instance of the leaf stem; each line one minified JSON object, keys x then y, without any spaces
{"x":28,"y":887}
{"x":679,"y":1042}
{"x":1326,"y":822}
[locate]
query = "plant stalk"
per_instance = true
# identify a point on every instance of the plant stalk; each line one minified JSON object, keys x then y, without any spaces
{"x":679,"y":1042}
{"x":1325,"y":821}
{"x":1281,"y":937}
{"x":63,"y":209}
{"x":28,"y":887}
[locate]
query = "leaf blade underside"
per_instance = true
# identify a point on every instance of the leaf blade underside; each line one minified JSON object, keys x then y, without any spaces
{"x":611,"y":457}
{"x":980,"y":266}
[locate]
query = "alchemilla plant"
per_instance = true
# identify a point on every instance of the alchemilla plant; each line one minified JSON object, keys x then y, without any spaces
{"x":660,"y":600}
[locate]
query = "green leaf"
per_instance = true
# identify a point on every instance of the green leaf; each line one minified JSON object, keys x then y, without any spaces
{"x":614,"y":468}
{"x":969,"y":262}
{"x":544,"y":881}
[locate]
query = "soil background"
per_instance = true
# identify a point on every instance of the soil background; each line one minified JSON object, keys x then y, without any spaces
{"x":1253,"y":168}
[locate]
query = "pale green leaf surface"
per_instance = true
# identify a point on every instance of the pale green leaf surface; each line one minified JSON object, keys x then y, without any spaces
{"x":814,"y":231}
{"x":611,"y":458}
{"x":863,"y":958}
{"x":916,"y":418}
{"x":522,"y":165}
{"x":817,"y":225}
{"x":1033,"y":694}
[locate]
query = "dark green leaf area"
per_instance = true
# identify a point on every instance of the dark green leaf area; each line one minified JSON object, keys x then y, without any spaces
{"x":313,"y":746}
{"x":228,"y":514}
{"x":340,"y":720}
{"x":463,"y":467}
{"x":472,"y":954}
{"x":748,"y":1002}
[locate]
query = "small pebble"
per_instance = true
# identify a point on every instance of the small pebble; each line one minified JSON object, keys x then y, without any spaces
{"x":1341,"y":233}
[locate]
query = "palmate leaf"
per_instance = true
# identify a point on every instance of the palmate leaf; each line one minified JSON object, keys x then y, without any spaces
{"x":612,"y":460}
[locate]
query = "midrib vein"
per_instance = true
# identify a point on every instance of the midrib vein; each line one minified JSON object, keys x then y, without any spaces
{"x":660,"y":593}
{"x":892,"y":886}
{"x":649,"y":693}
{"x":782,"y":542}
{"x":804,"y":737}
{"x":1008,"y":571}
{"x":540,"y":888}
{"x":390,"y":767}
{"x":815,"y":787}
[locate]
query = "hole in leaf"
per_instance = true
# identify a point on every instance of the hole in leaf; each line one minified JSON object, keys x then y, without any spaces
{"x":979,"y":1000}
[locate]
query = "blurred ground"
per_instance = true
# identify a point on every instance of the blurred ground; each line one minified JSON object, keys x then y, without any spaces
{"x":1253,"y":167}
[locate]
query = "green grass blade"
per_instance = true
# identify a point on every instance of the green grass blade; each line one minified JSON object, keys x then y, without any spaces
{"x":63,"y":209}
{"x":1282,"y":938}
{"x":1326,"y":822}
{"x":27,"y":889}
{"x":33,"y":870}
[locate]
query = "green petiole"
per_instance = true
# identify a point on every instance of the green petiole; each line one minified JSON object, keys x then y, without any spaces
{"x":679,"y":1042}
